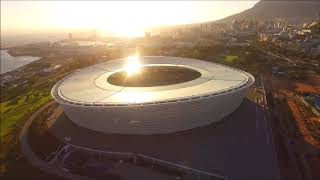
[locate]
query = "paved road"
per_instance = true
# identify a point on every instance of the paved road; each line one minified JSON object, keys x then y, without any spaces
{"x":234,"y":147}
{"x":34,"y":159}
{"x":277,"y":56}
{"x":300,"y":62}
{"x":269,"y":130}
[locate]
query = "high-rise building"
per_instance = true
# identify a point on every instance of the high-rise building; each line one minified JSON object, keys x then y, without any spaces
{"x":70,"y":36}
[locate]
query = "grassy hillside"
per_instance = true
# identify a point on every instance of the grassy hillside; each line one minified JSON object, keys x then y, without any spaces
{"x":15,"y":110}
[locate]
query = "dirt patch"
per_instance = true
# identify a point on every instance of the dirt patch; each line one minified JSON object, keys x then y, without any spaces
{"x":306,"y":88}
{"x":300,"y":122}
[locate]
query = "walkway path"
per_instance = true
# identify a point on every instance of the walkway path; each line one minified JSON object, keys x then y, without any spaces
{"x":34,"y":159}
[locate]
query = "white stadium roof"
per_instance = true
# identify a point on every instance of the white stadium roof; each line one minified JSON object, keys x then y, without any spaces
{"x":89,"y":86}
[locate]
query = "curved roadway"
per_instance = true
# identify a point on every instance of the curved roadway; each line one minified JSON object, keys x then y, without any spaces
{"x":37,"y":161}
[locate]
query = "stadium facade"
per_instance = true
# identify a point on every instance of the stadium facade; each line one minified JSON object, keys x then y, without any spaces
{"x":92,"y":101}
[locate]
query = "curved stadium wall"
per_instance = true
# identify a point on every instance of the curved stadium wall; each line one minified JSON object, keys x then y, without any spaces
{"x":154,"y":117}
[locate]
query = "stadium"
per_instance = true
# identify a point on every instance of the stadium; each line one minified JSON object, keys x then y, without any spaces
{"x":151,"y":94}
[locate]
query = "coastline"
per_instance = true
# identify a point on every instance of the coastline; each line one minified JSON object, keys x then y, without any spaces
{"x":10,"y":63}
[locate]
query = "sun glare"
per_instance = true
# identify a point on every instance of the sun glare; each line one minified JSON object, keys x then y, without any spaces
{"x":119,"y":18}
{"x":133,"y":65}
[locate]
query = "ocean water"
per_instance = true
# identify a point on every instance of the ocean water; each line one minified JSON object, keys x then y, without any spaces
{"x":9,"y":63}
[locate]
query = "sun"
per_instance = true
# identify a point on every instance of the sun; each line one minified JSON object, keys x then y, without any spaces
{"x":133,"y":65}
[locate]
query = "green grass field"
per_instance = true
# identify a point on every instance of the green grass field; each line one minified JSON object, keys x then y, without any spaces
{"x":231,"y":59}
{"x":15,"y":111}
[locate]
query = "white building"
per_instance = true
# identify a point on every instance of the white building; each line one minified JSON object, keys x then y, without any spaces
{"x":92,"y":101}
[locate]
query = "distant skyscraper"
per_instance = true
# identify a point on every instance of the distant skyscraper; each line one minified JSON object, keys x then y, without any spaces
{"x":70,"y":36}
{"x":94,"y":34}
{"x":147,"y":34}
{"x":236,"y":25}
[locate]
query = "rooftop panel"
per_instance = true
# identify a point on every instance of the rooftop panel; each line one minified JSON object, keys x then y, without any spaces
{"x":90,"y":85}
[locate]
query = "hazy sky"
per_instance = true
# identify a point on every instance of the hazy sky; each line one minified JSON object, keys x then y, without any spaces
{"x":123,"y":17}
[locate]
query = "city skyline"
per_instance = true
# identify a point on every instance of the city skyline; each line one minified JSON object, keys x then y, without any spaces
{"x":122,"y":18}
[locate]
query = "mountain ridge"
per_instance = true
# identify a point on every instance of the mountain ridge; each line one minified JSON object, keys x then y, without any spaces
{"x":292,"y":11}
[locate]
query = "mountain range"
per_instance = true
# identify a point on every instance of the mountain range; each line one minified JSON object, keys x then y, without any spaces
{"x":292,"y":11}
